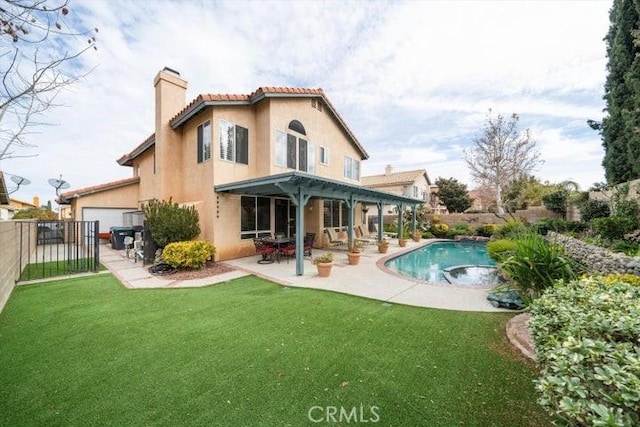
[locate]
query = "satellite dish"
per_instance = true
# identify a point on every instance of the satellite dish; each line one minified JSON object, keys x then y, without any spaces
{"x":58,"y":184}
{"x":19,"y":181}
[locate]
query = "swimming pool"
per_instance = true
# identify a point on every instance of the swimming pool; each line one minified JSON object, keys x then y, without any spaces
{"x":460,"y":263}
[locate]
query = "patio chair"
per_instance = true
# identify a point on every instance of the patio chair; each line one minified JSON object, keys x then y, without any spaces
{"x":362,"y":238}
{"x":264,"y":249}
{"x":288,"y":250}
{"x":334,"y":240}
{"x":308,"y":243}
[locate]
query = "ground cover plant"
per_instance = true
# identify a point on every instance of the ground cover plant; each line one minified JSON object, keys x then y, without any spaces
{"x":249,"y":352}
{"x":586,"y":335}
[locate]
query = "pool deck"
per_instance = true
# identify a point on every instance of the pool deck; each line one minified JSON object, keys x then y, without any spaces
{"x":368,"y":279}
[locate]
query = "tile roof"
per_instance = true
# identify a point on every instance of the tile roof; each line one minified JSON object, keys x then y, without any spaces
{"x":65,"y":198}
{"x":393,"y":179}
{"x":204,"y":100}
{"x":127,"y":159}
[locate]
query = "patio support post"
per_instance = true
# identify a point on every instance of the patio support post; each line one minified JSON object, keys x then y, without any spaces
{"x":379,"y":205}
{"x":413,"y":219}
{"x":351,"y":204}
{"x":301,"y":202}
{"x":400,"y":224}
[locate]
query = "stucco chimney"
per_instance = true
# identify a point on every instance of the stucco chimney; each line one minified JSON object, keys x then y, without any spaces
{"x":388,"y":170}
{"x":36,"y":201}
{"x":171,"y":92}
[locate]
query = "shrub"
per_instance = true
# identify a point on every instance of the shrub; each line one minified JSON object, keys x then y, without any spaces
{"x":628,"y":209}
{"x":586,"y":334}
{"x":594,"y":209}
{"x":192,"y":254}
{"x":612,"y":228}
{"x":559,"y":225}
{"x":512,"y":227}
{"x":556,"y":201}
{"x":499,"y":249}
{"x":535,"y":265}
{"x":487,"y":230}
{"x":439,"y":230}
{"x":168,"y":222}
{"x":461,"y":229}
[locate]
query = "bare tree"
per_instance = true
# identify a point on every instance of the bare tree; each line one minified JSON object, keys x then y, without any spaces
{"x":501,"y":154}
{"x":40,"y":47}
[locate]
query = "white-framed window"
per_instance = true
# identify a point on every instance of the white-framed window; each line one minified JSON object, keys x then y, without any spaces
{"x":351,"y":168}
{"x":324,"y":155}
{"x":415,"y":191}
{"x":294,"y":152}
{"x":234,"y":142}
{"x":255,"y":217}
{"x":204,"y":142}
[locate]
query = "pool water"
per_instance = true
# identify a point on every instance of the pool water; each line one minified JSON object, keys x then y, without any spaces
{"x":435,"y":263}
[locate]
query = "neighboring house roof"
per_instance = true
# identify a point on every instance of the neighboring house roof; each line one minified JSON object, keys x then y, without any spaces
{"x":394,"y":179}
{"x":203,"y":101}
{"x":65,"y":198}
{"x":20,"y":204}
{"x":127,"y":159}
{"x":4,"y":192}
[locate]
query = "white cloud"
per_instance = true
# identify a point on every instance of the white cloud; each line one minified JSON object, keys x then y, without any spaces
{"x":414,"y":80}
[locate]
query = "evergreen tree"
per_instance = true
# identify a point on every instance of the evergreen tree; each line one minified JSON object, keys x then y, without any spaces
{"x":453,"y":194}
{"x":621,"y":139}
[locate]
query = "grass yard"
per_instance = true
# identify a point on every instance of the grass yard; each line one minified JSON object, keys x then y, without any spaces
{"x":87,"y":351}
{"x":42,"y":270}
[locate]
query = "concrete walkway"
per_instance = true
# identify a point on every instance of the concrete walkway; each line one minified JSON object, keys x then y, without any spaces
{"x":369,"y":279}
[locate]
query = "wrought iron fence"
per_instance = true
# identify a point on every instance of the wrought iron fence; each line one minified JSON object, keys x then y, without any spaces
{"x":57,"y":248}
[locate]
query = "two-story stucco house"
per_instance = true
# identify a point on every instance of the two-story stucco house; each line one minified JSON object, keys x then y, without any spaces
{"x":279,"y":160}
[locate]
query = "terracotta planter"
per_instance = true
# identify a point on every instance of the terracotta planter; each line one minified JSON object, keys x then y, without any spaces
{"x":354,"y":257}
{"x":324,"y":268}
{"x":383,"y":249}
{"x":417,"y":237}
{"x":403,"y":242}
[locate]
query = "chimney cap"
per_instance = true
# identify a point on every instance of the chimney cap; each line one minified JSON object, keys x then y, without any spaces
{"x":171,"y":70}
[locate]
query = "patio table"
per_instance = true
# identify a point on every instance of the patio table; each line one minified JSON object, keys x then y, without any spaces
{"x":277,"y":242}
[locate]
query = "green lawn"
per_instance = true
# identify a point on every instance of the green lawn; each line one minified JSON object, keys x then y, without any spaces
{"x":87,"y":351}
{"x":42,"y":270}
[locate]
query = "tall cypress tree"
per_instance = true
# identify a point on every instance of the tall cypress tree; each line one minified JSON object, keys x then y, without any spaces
{"x":620,"y":130}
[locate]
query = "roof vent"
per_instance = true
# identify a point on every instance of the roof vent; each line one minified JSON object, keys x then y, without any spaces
{"x":388,"y":170}
{"x":171,"y":70}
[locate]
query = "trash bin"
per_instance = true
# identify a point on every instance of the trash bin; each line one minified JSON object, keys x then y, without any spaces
{"x":117,"y":236}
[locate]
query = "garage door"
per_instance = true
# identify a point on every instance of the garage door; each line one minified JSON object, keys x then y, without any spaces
{"x":108,"y":217}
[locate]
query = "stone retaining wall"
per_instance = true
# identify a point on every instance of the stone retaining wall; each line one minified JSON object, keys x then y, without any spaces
{"x":596,"y":258}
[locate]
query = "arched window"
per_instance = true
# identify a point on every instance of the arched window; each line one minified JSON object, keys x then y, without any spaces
{"x":293,"y":151}
{"x":296,"y":126}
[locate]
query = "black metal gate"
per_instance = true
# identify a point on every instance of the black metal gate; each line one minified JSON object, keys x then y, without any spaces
{"x":57,"y":248}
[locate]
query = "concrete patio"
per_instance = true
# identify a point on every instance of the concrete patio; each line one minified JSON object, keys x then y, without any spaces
{"x":368,"y":279}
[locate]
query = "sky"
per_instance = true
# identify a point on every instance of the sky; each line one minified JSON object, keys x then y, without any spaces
{"x":414,"y":80}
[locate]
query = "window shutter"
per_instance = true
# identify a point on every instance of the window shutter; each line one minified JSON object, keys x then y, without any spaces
{"x":242,"y":145}
{"x":302,"y":155}
{"x":200,"y":141}
{"x":291,"y":152}
{"x":311,"y":158}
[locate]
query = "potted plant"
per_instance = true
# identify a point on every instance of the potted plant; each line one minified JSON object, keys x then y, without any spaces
{"x":417,"y":236}
{"x":402,"y":239}
{"x":324,"y":263}
{"x":383,"y":246}
{"x":354,"y":252}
